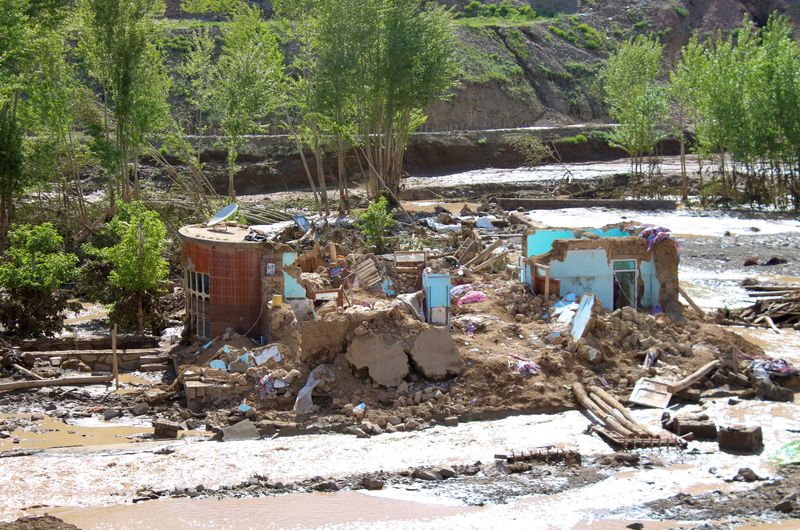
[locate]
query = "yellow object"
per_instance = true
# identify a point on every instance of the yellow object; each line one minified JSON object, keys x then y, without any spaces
{"x":277,"y":300}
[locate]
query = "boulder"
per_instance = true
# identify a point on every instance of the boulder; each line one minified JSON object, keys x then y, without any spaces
{"x":244,"y":430}
{"x":385,"y":362}
{"x":435,"y":354}
{"x":742,"y":440}
{"x":165,"y":429}
{"x":323,"y":340}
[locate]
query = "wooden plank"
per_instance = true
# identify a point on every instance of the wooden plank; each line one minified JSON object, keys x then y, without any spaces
{"x":27,"y":372}
{"x":490,"y":261}
{"x":689,"y":380}
{"x":80,"y":353}
{"x":691,"y":302}
{"x":484,"y":253}
{"x":66,"y":381}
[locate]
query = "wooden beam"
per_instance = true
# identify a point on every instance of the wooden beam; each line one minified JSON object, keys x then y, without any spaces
{"x":27,"y":372}
{"x":484,"y":253}
{"x":66,"y":381}
{"x":691,"y":302}
{"x":689,"y":380}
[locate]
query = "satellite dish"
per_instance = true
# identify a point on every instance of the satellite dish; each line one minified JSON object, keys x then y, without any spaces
{"x":223,"y":215}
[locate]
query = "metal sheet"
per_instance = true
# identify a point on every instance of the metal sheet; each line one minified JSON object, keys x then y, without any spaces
{"x":650,"y":393}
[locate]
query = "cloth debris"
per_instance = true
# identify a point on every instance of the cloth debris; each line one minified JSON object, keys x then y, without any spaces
{"x":319,"y":375}
{"x":472,"y":297}
{"x":441,"y":228}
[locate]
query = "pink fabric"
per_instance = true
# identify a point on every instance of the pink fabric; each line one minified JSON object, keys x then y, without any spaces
{"x":471,"y":297}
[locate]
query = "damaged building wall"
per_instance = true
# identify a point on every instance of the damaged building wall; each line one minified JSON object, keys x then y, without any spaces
{"x":585,"y":265}
{"x":540,"y":241}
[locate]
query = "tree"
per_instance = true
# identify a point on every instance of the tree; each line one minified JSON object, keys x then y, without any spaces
{"x":118,"y":41}
{"x":636,"y":100}
{"x":138,"y":266}
{"x":375,"y":223}
{"x":243,"y":86}
{"x":33,"y":270}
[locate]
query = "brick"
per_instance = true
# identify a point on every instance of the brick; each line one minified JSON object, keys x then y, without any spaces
{"x":742,"y":440}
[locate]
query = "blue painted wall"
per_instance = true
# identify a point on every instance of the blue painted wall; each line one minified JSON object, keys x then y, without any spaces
{"x":291,"y":289}
{"x":590,"y":271}
{"x":541,"y":241}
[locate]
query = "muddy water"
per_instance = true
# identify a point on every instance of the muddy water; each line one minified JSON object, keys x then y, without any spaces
{"x":51,"y":433}
{"x":302,"y":510}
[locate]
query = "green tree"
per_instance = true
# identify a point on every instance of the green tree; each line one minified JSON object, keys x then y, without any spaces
{"x":243,"y":86}
{"x":637,"y":100}
{"x":34,"y":269}
{"x":138,"y":265}
{"x":118,"y":41}
{"x":375,"y":223}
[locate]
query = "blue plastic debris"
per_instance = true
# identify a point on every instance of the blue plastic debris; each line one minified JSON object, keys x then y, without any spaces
{"x":244,"y":407}
{"x":302,"y":222}
{"x":226,"y":349}
{"x":208,"y":344}
{"x":218,"y":364}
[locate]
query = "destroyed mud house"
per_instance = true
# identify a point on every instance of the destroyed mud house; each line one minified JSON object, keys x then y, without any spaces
{"x":298,"y":328}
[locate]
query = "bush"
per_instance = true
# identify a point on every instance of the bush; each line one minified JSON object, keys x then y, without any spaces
{"x":375,"y":223}
{"x":137,"y":268}
{"x":681,"y":11}
{"x":32,"y":275}
{"x":574,"y":140}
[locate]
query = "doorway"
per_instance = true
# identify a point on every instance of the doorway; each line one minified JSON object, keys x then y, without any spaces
{"x":625,"y":280}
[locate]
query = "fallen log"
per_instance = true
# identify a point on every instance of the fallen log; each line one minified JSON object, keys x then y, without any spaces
{"x":689,"y":380}
{"x":65,"y":381}
{"x":609,"y":420}
{"x":612,"y":402}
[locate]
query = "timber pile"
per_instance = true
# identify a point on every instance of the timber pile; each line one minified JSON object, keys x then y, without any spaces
{"x":776,"y":306}
{"x":615,"y":424}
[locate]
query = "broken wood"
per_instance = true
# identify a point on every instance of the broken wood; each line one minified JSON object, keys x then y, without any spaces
{"x":484,"y":253}
{"x":490,"y":262}
{"x":65,"y":381}
{"x":689,"y":380}
{"x":691,"y":302}
{"x":607,"y":419}
{"x":27,"y":372}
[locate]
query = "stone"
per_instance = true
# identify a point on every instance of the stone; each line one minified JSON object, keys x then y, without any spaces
{"x":702,"y":429}
{"x":110,"y":414}
{"x":748,"y":475}
{"x":742,"y":440}
{"x":360,"y":433}
{"x":410,"y":425}
{"x":140,"y":409}
{"x":426,"y":474}
{"x":328,"y":485}
{"x":385,"y":362}
{"x":371,"y":483}
{"x":322,"y":340}
{"x":75,"y":364}
{"x":5,"y":434}
{"x":447,"y":472}
{"x":451,"y":421}
{"x":165,"y":429}
{"x":786,"y":504}
{"x":390,"y":428}
{"x":37,"y":416}
{"x":243,"y":430}
{"x":435,"y":354}
{"x":238,"y":367}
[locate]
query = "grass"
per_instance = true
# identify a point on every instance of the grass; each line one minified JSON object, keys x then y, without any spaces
{"x":516,"y":21}
{"x":577,"y":33}
{"x":573,"y":140}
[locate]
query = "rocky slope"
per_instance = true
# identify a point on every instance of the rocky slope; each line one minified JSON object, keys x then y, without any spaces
{"x":544,"y":72}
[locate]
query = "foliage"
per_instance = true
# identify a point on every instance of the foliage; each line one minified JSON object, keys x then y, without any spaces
{"x":375,"y":223}
{"x":638,"y":101}
{"x":137,"y":264}
{"x":118,"y":41}
{"x":33,"y":271}
{"x":681,"y":11}
{"x":578,"y":33}
{"x":238,"y":90}
{"x":573,"y":140}
{"x":477,"y":14}
{"x":743,"y":97}
{"x":531,"y":147}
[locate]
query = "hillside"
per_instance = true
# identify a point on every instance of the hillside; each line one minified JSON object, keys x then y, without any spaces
{"x":544,"y":72}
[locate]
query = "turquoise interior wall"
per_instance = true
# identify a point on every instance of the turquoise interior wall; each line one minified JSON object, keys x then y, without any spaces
{"x":541,"y":241}
{"x":590,"y":271}
{"x":585,"y":271}
{"x":437,"y":290}
{"x":291,"y":289}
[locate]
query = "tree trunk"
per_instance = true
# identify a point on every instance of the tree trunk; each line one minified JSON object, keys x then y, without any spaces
{"x":344,"y":197}
{"x":140,"y":314}
{"x":684,"y":177}
{"x":231,"y":159}
{"x":323,"y":188}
